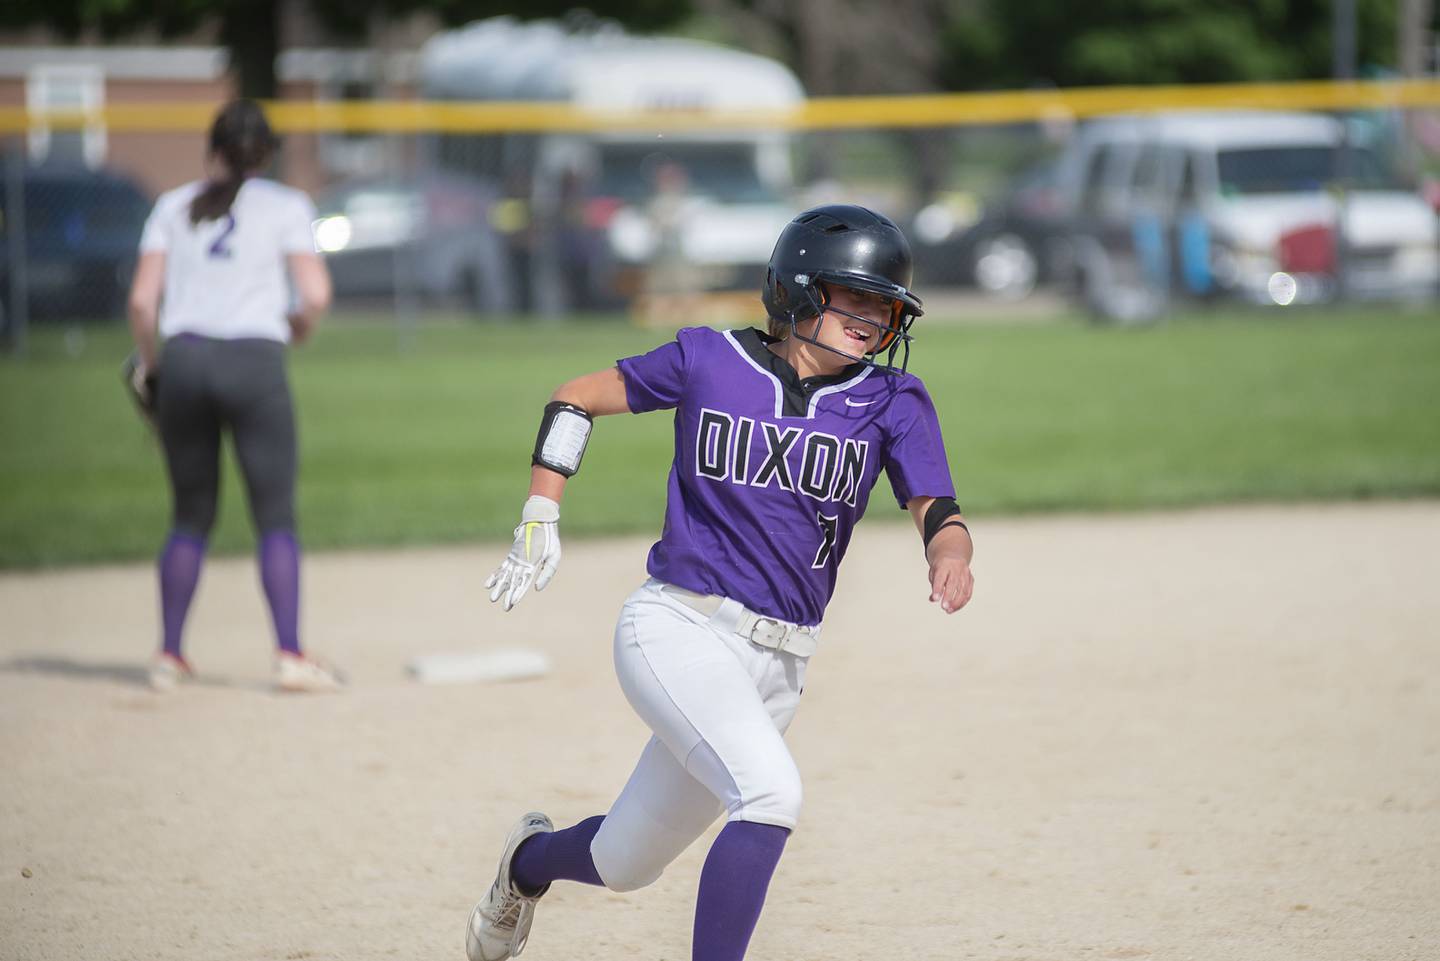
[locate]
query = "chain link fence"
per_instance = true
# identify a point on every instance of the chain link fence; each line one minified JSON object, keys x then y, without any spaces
{"x":69,"y":243}
{"x":1122,"y":217}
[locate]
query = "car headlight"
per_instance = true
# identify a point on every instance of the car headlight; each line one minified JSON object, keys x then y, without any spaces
{"x":333,"y":234}
{"x":1282,"y":288}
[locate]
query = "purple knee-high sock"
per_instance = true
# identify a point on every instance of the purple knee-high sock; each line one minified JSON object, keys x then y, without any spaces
{"x":280,"y":575}
{"x":179,"y":564}
{"x":733,"y":883}
{"x":557,"y":856}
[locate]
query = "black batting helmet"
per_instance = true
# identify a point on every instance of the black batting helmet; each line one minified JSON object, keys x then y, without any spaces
{"x":847,"y":246}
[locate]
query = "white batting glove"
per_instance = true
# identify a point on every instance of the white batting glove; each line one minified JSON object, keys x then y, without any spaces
{"x":533,"y":557}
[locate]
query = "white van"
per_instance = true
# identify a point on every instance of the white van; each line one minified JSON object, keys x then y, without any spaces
{"x":588,"y":212}
{"x":1244,"y":204}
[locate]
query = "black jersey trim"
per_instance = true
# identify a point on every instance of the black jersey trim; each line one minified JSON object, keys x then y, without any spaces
{"x":794,"y":395}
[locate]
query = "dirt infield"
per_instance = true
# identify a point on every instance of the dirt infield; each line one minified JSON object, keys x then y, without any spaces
{"x":1210,"y":735}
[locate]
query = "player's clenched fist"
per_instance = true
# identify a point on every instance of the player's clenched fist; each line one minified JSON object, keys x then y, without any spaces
{"x":534,"y":556}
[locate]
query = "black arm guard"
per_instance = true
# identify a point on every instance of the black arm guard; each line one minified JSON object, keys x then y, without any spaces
{"x":564,"y":432}
{"x":943,"y":513}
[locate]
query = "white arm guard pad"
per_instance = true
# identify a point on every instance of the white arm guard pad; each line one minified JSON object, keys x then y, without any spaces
{"x":564,"y":432}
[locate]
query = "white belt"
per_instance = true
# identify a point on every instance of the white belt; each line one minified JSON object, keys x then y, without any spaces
{"x":730,"y":615}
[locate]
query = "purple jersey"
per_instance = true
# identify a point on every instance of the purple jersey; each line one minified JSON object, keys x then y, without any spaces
{"x":772,"y":472}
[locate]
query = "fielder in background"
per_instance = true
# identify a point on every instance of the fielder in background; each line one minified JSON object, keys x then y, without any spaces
{"x":779,"y":439}
{"x":211,"y":312}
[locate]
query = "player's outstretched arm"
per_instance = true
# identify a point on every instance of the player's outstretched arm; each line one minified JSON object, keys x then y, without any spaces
{"x":564,"y":433}
{"x":948,"y":548}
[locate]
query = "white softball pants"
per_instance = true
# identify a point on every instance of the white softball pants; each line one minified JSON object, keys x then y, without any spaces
{"x":718,"y":706}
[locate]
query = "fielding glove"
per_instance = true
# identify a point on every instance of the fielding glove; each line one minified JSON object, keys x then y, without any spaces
{"x":140,"y":385}
{"x":533,"y":557}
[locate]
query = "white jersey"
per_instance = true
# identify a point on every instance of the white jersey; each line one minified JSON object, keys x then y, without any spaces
{"x":227,"y":278}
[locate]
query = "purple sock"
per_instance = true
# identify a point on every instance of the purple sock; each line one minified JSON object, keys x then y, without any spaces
{"x":557,"y":856}
{"x":280,"y":575}
{"x":732,"y":888}
{"x":179,"y":565}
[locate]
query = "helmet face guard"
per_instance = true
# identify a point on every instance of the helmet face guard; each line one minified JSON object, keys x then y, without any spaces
{"x":844,"y":246}
{"x":894,"y":336}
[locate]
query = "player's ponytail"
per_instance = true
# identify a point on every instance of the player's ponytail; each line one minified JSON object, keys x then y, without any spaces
{"x":241,"y":143}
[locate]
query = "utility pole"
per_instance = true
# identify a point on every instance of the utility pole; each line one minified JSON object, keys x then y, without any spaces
{"x":1412,"y":36}
{"x":15,"y":323}
{"x":1343,"y":69}
{"x":1413,"y":43}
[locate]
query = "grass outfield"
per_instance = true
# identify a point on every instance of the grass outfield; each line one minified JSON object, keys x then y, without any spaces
{"x":431,"y":443}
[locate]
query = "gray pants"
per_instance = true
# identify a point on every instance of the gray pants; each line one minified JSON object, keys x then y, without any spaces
{"x":207,"y":386}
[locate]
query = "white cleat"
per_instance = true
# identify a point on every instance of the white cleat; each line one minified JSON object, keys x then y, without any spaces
{"x":500,"y":923}
{"x":301,"y":675}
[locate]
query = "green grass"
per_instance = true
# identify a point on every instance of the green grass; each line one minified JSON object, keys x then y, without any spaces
{"x":430,"y":442}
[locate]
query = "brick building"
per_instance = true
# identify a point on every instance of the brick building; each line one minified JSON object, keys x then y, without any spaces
{"x":36,"y":74}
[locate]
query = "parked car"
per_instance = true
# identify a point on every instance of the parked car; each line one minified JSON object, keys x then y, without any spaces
{"x":1244,"y":205}
{"x":1005,"y":247}
{"x":81,"y":238}
{"x":431,"y":235}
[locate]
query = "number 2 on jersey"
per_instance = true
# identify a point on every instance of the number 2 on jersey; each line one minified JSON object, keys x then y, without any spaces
{"x":220,"y":249}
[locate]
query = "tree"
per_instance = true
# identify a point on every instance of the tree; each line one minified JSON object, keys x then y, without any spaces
{"x":840,"y":47}
{"x":1004,"y":45}
{"x":851,"y":47}
{"x":249,"y":29}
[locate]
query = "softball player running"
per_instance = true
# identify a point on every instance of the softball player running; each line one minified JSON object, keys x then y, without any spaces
{"x":216,"y":260}
{"x":779,"y":438}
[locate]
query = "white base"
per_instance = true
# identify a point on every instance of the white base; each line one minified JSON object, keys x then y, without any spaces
{"x":510,"y":664}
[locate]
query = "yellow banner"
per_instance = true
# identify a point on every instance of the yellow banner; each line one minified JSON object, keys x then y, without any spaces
{"x":938,"y":110}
